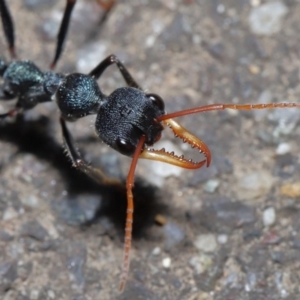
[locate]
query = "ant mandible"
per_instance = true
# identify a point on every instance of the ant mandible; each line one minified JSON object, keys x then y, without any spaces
{"x":128,"y":120}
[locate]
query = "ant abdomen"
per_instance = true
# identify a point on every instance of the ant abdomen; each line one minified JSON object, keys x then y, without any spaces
{"x":25,"y":81}
{"x":78,"y":95}
{"x":21,"y":75}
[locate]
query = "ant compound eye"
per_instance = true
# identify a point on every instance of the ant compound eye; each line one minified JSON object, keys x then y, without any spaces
{"x":125,"y":147}
{"x":157,"y":100}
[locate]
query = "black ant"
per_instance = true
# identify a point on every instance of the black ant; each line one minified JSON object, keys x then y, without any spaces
{"x":128,"y":120}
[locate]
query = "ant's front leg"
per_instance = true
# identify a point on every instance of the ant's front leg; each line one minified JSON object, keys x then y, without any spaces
{"x":64,"y":26}
{"x":79,"y":163}
{"x":112,"y":59}
{"x":8,"y":27}
{"x":4,"y":95}
{"x":10,"y":113}
{"x":63,"y":30}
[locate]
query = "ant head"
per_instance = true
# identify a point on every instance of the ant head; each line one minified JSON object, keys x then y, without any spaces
{"x":126,"y":115}
{"x":78,"y":95}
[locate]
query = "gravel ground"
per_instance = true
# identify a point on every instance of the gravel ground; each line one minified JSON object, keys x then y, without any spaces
{"x":227,"y":232}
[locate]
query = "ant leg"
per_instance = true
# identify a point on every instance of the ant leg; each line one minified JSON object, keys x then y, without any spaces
{"x":8,"y":27}
{"x":80,"y":164}
{"x":112,"y":59}
{"x":10,"y":113}
{"x":107,"y":6}
{"x":8,"y":95}
{"x":129,"y":213}
{"x":63,"y":30}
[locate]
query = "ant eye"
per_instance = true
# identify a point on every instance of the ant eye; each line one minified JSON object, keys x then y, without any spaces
{"x":125,"y":147}
{"x":157,"y":100}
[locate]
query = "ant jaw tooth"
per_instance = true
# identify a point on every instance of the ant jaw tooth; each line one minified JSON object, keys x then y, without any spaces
{"x":172,"y":153}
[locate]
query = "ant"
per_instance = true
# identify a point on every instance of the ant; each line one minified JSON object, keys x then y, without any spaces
{"x":128,"y":120}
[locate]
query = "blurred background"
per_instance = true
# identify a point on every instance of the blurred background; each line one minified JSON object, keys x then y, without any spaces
{"x":227,"y":232}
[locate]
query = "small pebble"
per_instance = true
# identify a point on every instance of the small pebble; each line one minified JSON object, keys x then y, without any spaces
{"x":291,"y":190}
{"x":254,"y":69}
{"x":201,"y":263}
{"x":34,"y":230}
{"x":166,"y":262}
{"x":160,"y":220}
{"x":174,"y":235}
{"x":254,"y":185}
{"x":156,"y":251}
{"x":283,"y":148}
{"x":255,"y":2}
{"x":267,"y":19}
{"x":197,"y":265}
{"x":222,"y":238}
{"x":31,"y":201}
{"x":269,"y":216}
{"x":10,"y":295}
{"x":221,"y":9}
{"x":9,"y":214}
{"x":211,"y":185}
{"x":286,"y":120}
{"x":34,"y":294}
{"x":51,"y":294}
{"x":206,"y":243}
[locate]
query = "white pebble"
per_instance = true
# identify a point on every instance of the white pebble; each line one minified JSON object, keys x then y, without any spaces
{"x":269,"y":216}
{"x":166,"y":262}
{"x":267,"y":18}
{"x":211,"y":185}
{"x":197,"y":264}
{"x":31,"y":201}
{"x":254,"y":185}
{"x":222,"y":238}
{"x":51,"y":294}
{"x":156,"y":251}
{"x":206,"y":242}
{"x":9,"y":214}
{"x":283,"y":148}
{"x":255,"y":3}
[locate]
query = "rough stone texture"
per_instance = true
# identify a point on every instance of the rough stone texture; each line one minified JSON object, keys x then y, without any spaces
{"x":56,"y":245}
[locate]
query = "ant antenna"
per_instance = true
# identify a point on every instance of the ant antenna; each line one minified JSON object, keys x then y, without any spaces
{"x":129,"y":212}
